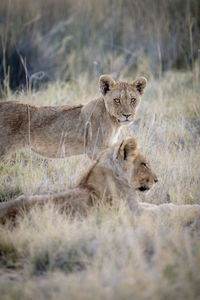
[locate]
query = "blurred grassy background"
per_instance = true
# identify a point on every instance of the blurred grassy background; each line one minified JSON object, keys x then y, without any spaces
{"x":64,"y":38}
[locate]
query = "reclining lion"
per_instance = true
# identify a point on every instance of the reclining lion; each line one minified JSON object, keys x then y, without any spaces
{"x":64,"y":131}
{"x":118,"y":173}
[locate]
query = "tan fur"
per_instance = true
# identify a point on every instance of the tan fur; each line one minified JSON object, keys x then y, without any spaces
{"x":118,"y":173}
{"x":185,"y":215}
{"x":64,"y":131}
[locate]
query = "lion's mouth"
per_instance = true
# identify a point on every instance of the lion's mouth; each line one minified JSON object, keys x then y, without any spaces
{"x":143,"y":188}
{"x":124,"y":121}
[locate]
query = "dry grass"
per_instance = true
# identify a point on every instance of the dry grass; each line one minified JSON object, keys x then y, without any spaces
{"x":63,"y":38}
{"x":111,"y":254}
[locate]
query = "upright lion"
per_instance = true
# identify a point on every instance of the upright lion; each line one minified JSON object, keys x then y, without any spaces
{"x":64,"y":131}
{"x":118,"y":173}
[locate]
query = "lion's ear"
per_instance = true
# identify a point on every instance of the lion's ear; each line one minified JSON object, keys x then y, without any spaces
{"x":128,"y":149}
{"x":106,"y":82}
{"x":140,"y":84}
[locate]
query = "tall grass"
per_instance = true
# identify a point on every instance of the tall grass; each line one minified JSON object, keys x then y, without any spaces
{"x":111,"y":254}
{"x":65,"y":38}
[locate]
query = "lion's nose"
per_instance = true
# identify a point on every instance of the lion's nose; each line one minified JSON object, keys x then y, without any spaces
{"x":156,"y":180}
{"x":126,"y":115}
{"x":143,"y":188}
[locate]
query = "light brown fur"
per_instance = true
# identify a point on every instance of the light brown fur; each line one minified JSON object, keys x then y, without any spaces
{"x":186,"y":215}
{"x":64,"y":131}
{"x":118,"y":173}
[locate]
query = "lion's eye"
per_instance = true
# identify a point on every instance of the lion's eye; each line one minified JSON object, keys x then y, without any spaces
{"x":133,"y":100}
{"x":144,"y":164}
{"x":117,"y":100}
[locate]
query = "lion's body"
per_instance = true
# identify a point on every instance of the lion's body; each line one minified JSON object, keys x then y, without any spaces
{"x":55,"y":131}
{"x":117,"y":174}
{"x":64,"y":131}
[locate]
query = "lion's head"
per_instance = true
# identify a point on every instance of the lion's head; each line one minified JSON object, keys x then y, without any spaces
{"x":129,"y":166}
{"x":142,"y":175}
{"x":121,"y":98}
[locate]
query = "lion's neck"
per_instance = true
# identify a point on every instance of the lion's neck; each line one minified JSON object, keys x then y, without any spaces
{"x":97,"y":113}
{"x":101,"y":182}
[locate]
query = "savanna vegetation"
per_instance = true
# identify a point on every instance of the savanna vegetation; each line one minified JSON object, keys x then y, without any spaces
{"x":46,"y":40}
{"x":52,"y":54}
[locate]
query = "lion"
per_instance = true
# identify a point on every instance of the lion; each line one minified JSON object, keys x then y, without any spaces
{"x":56,"y":132}
{"x":119,"y":172}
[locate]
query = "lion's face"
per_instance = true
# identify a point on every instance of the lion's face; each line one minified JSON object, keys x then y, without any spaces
{"x":121,"y":98}
{"x":143,"y":176}
{"x":133,"y":166}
